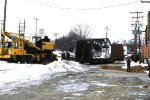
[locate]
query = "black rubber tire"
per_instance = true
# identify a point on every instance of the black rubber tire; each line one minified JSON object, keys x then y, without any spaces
{"x":29,"y":60}
{"x":22,"y":59}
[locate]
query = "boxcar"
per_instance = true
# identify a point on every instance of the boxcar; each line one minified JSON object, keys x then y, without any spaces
{"x":98,"y":51}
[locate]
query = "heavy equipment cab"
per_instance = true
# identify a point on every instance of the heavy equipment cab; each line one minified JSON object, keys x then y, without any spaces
{"x":12,"y":45}
{"x":7,"y":45}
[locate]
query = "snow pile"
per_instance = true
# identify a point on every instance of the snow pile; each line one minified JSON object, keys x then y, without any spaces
{"x":16,"y":75}
{"x":122,"y":66}
{"x":134,"y":64}
{"x":57,"y":52}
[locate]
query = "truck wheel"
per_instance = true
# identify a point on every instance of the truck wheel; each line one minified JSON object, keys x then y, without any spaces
{"x":22,"y":59}
{"x":10,"y":60}
{"x":29,"y":59}
{"x":81,"y":60}
{"x":15,"y":61}
{"x":45,"y":60}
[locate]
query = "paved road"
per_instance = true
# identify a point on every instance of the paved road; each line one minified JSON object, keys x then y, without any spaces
{"x":92,"y":84}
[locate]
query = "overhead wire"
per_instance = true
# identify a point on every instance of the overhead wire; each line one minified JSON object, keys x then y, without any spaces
{"x":98,"y":8}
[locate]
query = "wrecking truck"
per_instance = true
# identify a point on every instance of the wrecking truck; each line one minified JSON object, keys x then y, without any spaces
{"x":18,"y":49}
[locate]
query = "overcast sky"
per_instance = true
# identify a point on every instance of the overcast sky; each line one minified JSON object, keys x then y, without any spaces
{"x":59,"y":16}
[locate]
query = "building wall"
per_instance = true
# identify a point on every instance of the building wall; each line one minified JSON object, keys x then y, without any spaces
{"x":148,"y":25}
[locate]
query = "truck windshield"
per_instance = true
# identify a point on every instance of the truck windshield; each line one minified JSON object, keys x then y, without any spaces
{"x":8,"y":45}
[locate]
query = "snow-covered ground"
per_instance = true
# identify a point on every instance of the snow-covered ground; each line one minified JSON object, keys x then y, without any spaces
{"x":19,"y":75}
{"x":14,"y":75}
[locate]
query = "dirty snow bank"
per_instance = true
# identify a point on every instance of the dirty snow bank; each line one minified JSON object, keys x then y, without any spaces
{"x":122,"y":66}
{"x":18,"y":75}
{"x":134,"y":64}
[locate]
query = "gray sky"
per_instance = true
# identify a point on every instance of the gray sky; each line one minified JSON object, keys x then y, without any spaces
{"x":59,"y":16}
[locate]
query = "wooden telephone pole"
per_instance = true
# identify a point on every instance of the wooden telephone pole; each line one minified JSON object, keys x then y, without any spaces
{"x":107,"y":28}
{"x":4,"y":23}
{"x":4,"y":26}
{"x":36,"y":19}
{"x":137,"y":32}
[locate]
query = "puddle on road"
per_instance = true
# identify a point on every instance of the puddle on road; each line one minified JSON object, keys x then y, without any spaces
{"x":97,"y":83}
{"x":77,"y":87}
{"x":69,"y":98}
{"x":137,"y":93}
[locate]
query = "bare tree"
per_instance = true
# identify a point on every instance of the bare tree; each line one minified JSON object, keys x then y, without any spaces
{"x":68,"y":43}
{"x":82,"y":31}
{"x":55,"y":35}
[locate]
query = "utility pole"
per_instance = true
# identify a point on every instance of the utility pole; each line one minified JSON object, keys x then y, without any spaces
{"x":1,"y":28}
{"x":1,"y":22}
{"x":4,"y":26}
{"x":136,"y":32}
{"x":55,"y":35}
{"x":36,"y":26}
{"x":24,"y":26}
{"x":106,"y":28}
{"x":4,"y":23}
{"x":21,"y":27}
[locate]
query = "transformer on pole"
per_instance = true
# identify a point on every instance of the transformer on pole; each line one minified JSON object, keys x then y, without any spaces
{"x":136,"y":32}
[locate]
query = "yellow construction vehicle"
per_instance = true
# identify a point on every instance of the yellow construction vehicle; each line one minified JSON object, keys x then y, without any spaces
{"x":17,"y":49}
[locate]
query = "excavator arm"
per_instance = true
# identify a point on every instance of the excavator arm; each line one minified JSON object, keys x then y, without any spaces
{"x":17,"y":39}
{"x":3,"y":39}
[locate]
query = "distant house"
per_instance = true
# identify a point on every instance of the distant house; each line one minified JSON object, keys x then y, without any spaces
{"x":130,"y":48}
{"x":125,"y":49}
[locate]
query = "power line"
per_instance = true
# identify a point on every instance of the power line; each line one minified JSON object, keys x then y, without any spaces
{"x":65,"y":8}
